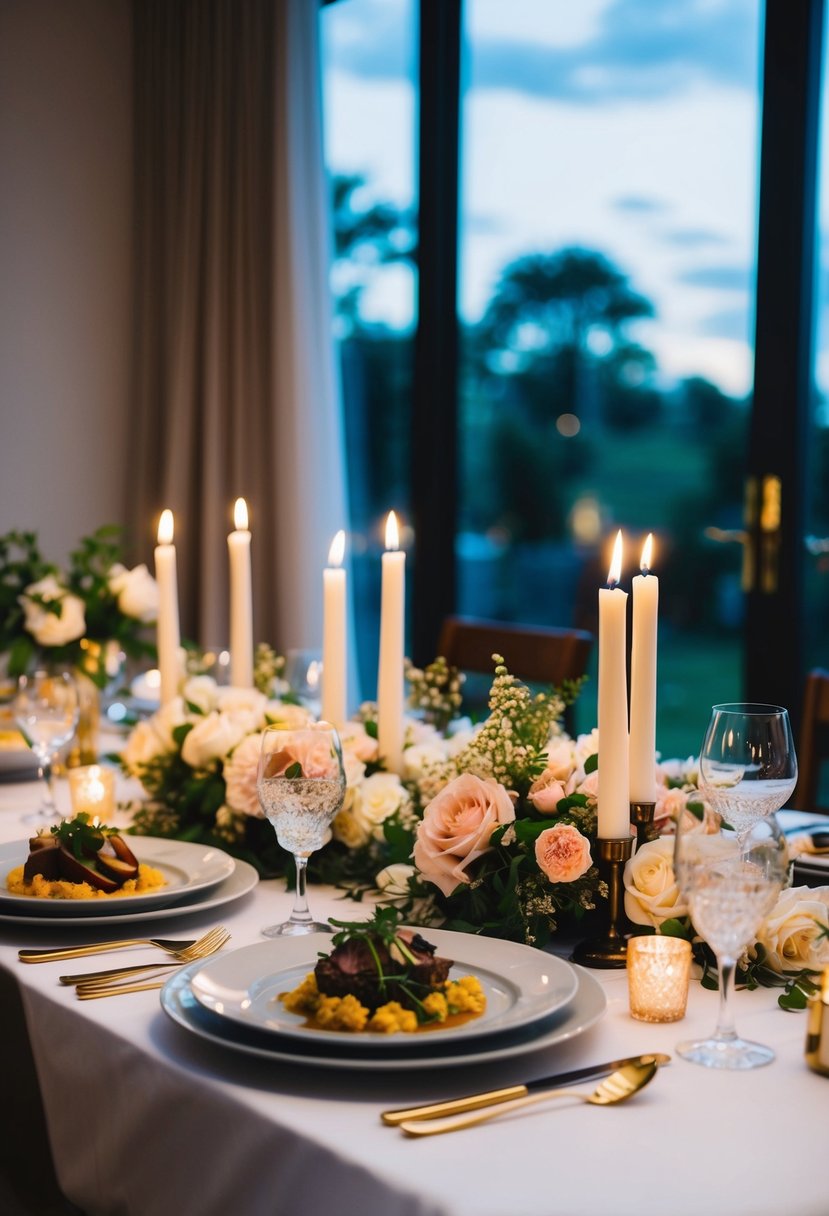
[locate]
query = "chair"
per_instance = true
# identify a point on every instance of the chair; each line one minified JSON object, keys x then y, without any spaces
{"x":536,"y":654}
{"x":813,"y":744}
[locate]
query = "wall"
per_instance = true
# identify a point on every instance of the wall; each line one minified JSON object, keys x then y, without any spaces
{"x":65,"y":250}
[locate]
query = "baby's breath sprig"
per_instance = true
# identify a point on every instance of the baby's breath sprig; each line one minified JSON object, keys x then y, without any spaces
{"x":435,"y":690}
{"x":268,"y":666}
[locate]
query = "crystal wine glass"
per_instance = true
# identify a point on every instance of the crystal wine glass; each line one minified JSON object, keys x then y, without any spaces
{"x":748,"y":767}
{"x":301,"y":786}
{"x":46,"y":710}
{"x":730,"y":881}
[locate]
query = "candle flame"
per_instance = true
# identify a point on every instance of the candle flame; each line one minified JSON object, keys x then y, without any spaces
{"x":165,"y":527}
{"x":392,"y":532}
{"x":647,"y":555}
{"x":337,"y":551}
{"x":240,"y":515}
{"x":614,"y":574}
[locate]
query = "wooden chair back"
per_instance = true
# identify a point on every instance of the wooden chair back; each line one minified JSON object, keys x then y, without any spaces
{"x":539,"y":655}
{"x":813,"y":744}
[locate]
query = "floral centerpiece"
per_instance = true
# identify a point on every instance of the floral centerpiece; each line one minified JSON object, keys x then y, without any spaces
{"x":70,"y":617}
{"x":488,"y":828}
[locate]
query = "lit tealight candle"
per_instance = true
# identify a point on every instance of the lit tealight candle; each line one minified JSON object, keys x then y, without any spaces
{"x":167,"y":627}
{"x":392,"y":631}
{"x":643,"y":680}
{"x":92,"y":789}
{"x":241,"y":599}
{"x":613,"y":803}
{"x":334,"y":634}
{"x":659,"y":969}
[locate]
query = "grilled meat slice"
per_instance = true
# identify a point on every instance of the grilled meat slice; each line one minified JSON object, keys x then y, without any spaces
{"x":352,"y":968}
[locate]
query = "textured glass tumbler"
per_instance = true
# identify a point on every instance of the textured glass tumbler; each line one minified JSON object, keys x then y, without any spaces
{"x":659,"y":969}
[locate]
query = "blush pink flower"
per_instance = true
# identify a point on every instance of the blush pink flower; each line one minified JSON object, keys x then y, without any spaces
{"x":546,"y":792}
{"x":457,"y":826}
{"x":310,"y":749}
{"x":240,"y":777}
{"x":563,"y":853}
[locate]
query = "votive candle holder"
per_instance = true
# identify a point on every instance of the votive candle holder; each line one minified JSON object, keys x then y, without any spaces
{"x":92,"y":789}
{"x":659,"y":970}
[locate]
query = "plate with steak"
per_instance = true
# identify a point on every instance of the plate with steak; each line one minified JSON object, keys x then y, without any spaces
{"x":377,"y":985}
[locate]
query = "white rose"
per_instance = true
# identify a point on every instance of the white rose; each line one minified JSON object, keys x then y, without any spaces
{"x":211,"y":739}
{"x":423,"y":756}
{"x":380,"y":796}
{"x":48,"y":628}
{"x":286,"y":715}
{"x":586,"y":746}
{"x":791,"y":933}
{"x":240,"y":774}
{"x":166,"y":719}
{"x":245,"y":706}
{"x":651,"y":892}
{"x":417,"y":732}
{"x":393,"y":881}
{"x":136,"y":591}
{"x":143,"y":745}
{"x":356,"y":740}
{"x":354,"y":770}
{"x":201,"y":691}
{"x":561,"y":758}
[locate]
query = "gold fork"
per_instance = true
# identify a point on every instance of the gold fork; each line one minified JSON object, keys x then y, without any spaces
{"x":64,"y":952}
{"x":214,"y":940}
{"x":123,"y":980}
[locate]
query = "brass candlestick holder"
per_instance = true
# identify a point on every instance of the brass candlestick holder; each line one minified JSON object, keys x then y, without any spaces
{"x":641,"y":816}
{"x":609,"y":949}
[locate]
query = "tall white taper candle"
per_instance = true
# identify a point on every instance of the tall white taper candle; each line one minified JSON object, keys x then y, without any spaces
{"x":241,"y":599}
{"x":643,"y":681}
{"x":614,"y":808}
{"x":167,"y":627}
{"x":334,"y":634}
{"x":392,"y":631}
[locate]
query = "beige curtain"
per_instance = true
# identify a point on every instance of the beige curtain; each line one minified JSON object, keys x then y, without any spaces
{"x":235,"y":390}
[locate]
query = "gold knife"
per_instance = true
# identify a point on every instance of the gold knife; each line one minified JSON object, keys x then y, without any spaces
{"x":456,"y":1106}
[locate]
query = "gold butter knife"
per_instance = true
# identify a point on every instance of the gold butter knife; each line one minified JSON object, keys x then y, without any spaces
{"x":456,"y":1106}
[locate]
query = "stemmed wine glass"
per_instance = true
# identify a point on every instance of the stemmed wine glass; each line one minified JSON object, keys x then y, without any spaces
{"x":301,"y":786}
{"x":748,"y":767}
{"x":46,"y":710}
{"x":730,"y":881}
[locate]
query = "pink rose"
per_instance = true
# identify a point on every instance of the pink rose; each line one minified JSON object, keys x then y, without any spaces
{"x":310,"y":749}
{"x":240,"y":777}
{"x":563,"y":853}
{"x":546,"y":792}
{"x":456,"y":828}
{"x":669,"y":806}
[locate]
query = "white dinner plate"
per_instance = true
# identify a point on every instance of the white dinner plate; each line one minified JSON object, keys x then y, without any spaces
{"x":187,"y":869}
{"x":584,"y":1010}
{"x":522,"y":986}
{"x":243,"y":879}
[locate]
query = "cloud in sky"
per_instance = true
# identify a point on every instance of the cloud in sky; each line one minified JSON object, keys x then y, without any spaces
{"x":640,"y":49}
{"x":718,"y":278}
{"x":693,"y":238}
{"x":639,"y":204}
{"x":733,"y":323}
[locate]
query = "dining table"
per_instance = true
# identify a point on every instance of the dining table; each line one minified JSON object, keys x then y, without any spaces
{"x":145,"y":1118}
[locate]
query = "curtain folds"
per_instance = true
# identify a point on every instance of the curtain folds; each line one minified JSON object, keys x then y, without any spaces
{"x":235,"y":388}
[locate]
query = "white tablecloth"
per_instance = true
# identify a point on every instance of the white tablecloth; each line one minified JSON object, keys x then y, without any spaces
{"x":144,"y":1119}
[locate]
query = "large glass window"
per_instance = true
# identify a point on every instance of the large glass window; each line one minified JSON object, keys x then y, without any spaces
{"x":369,"y":58}
{"x":608,"y":234}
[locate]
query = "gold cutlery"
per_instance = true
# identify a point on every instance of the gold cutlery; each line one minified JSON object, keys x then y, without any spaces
{"x":618,"y":1087}
{"x":209,"y":944}
{"x":457,"y":1106}
{"x":66,"y":952}
{"x":93,"y":994}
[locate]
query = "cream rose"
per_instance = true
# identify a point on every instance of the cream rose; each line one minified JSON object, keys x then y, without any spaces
{"x":49,"y":628}
{"x":166,"y":719}
{"x":201,"y":691}
{"x":456,"y":828}
{"x":135,"y":590}
{"x":418,"y":759}
{"x":560,"y":758}
{"x":348,"y":831}
{"x":651,"y":892}
{"x":393,"y":881}
{"x":143,"y":745}
{"x":380,"y":796}
{"x":586,"y":746}
{"x":546,"y":792}
{"x":245,"y":706}
{"x":791,"y":934}
{"x":562,"y":853}
{"x":287,"y":716}
{"x":355,"y":739}
{"x":210,"y":739}
{"x":240,"y":773}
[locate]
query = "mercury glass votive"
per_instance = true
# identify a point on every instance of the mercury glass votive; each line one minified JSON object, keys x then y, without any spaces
{"x":659,"y":969}
{"x":92,"y":789}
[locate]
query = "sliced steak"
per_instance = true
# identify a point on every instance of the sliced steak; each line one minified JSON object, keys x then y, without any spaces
{"x":352,"y":969}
